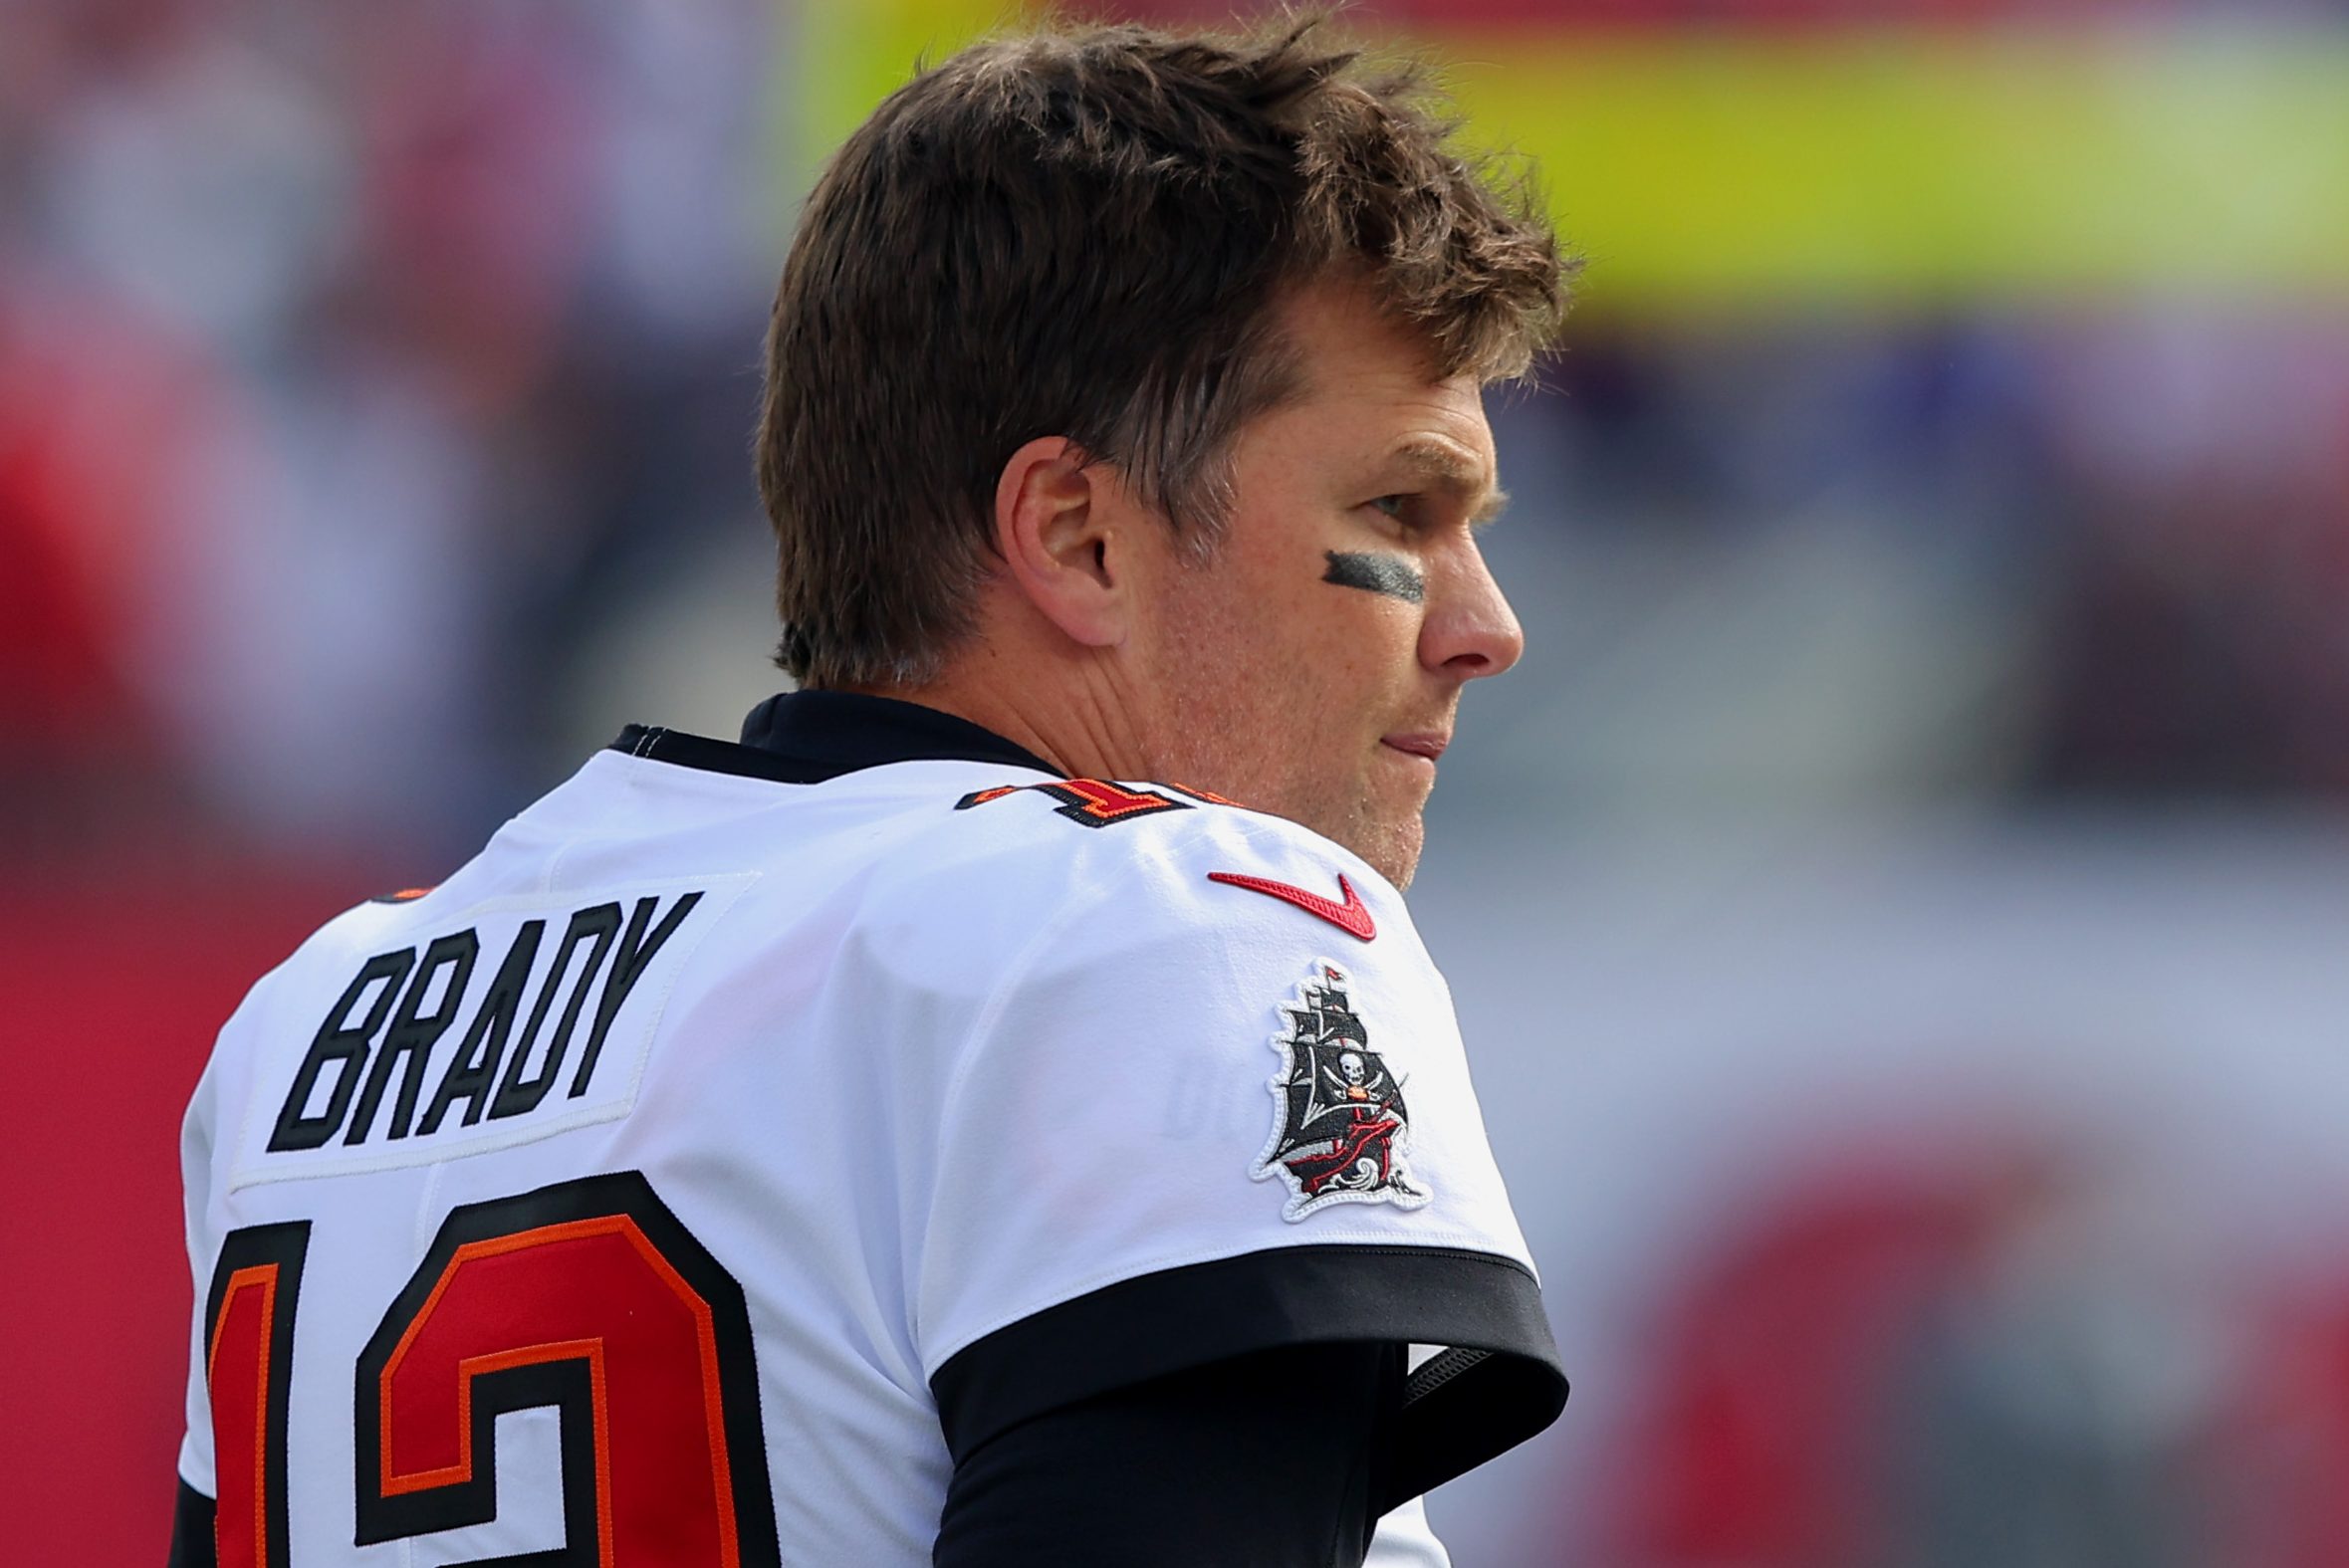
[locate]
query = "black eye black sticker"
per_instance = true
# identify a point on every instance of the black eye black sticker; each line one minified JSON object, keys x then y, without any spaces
{"x":1376,"y":575}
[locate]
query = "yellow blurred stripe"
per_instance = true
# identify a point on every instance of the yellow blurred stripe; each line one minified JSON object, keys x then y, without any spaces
{"x":1910,"y":164}
{"x":851,"y":54}
{"x":1877,"y":165}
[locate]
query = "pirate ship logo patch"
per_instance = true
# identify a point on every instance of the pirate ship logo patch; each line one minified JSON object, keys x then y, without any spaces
{"x":1339,"y":1128}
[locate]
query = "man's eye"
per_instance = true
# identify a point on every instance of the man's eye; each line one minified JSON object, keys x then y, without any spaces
{"x":1392,"y":506}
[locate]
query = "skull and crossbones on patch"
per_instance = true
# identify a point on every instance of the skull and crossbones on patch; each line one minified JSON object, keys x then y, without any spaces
{"x":1341,"y":1128}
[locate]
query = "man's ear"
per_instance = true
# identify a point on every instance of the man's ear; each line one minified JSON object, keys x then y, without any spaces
{"x":1055,"y":518}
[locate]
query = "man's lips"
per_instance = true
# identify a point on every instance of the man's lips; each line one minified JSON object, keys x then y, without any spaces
{"x":1429,"y":744}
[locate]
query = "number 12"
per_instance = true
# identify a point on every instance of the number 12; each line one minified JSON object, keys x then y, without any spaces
{"x":590,"y":1297}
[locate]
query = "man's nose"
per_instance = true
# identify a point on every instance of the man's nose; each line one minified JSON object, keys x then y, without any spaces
{"x":1470,"y":630}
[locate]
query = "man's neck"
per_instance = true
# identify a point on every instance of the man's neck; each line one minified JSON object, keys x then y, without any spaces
{"x":1074,"y":724}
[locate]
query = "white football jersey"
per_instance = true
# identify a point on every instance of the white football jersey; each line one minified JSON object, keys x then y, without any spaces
{"x":750,"y":1129}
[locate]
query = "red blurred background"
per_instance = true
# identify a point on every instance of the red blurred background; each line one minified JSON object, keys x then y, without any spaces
{"x":1897,"y":906}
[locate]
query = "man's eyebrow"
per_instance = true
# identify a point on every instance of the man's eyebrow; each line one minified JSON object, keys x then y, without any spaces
{"x":1442,"y":466}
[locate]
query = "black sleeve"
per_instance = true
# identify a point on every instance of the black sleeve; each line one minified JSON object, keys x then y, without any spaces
{"x":191,"y":1530}
{"x":1497,"y":1384}
{"x":1273,"y":1459}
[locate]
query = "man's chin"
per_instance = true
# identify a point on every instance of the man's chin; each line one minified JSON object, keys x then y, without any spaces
{"x":1387,"y":841}
{"x":1401,"y":862}
{"x":1390,"y":846}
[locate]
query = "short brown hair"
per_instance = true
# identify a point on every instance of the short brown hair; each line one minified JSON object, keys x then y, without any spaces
{"x":1085,"y":232}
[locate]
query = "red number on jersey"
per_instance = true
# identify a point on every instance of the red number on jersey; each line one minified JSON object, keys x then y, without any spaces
{"x":248,"y":1357}
{"x":1092,"y":802}
{"x":590,"y":1297}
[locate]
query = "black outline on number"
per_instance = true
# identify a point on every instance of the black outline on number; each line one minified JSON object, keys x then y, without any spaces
{"x":563,"y":1384}
{"x":281,"y":1248}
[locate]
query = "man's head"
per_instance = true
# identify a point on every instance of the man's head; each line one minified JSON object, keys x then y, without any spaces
{"x":1085,"y":343}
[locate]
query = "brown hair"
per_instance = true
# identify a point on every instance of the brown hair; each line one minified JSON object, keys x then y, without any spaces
{"x":1084,"y":232}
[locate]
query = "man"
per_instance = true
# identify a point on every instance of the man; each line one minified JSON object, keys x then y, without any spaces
{"x":998,"y":1111}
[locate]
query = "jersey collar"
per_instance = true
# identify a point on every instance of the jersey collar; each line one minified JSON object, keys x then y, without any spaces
{"x":809,"y":737}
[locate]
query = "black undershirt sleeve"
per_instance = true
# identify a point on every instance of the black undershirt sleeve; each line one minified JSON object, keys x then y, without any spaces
{"x":1277,"y":1458}
{"x":191,"y":1530}
{"x":1496,"y":1383}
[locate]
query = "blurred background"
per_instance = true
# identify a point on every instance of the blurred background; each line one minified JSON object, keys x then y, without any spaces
{"x":1899,"y":908}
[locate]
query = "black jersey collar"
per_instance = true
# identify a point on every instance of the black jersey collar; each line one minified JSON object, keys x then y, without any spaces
{"x":809,"y":737}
